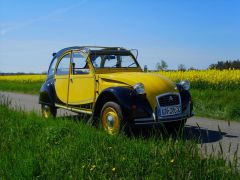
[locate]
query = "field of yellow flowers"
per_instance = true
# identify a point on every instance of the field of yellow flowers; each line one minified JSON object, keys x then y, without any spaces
{"x":203,"y":79}
{"x":23,"y":78}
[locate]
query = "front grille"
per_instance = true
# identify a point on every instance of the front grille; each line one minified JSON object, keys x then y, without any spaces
{"x":169,"y":100}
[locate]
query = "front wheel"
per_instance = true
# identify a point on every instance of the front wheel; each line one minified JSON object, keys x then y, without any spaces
{"x":48,"y":111}
{"x":111,"y":118}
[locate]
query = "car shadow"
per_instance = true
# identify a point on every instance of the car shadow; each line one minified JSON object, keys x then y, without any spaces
{"x":190,"y":132}
{"x":202,"y":135}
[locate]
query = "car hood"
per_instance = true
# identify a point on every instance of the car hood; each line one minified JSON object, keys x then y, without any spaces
{"x":155,"y":84}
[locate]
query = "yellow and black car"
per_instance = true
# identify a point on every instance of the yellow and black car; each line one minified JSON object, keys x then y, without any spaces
{"x":108,"y":84}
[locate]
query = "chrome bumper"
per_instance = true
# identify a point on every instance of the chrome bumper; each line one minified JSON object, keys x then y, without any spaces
{"x":158,"y":120}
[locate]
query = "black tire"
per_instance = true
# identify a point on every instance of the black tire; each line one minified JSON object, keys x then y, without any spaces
{"x":119,"y":123}
{"x":48,"y":111}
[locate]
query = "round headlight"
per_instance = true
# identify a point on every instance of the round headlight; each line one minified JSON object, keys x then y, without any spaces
{"x":185,"y":84}
{"x":139,"y":88}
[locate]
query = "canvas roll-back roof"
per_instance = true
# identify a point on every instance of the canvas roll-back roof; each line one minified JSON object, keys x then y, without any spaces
{"x":92,"y":49}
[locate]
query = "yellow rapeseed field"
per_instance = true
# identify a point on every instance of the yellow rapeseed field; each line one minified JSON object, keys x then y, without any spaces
{"x":214,"y":79}
{"x":24,"y":78}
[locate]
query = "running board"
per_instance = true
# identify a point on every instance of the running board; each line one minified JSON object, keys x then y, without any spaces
{"x":74,"y":109}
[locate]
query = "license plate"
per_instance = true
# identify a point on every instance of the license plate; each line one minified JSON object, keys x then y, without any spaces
{"x":170,"y":110}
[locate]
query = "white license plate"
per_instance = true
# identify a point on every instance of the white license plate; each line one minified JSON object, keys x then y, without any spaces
{"x":170,"y":110}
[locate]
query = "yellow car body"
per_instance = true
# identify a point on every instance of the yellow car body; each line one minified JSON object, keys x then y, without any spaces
{"x":154,"y":84}
{"x":110,"y":76}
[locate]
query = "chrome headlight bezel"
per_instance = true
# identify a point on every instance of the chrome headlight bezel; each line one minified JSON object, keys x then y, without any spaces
{"x":139,"y":88}
{"x":185,"y":84}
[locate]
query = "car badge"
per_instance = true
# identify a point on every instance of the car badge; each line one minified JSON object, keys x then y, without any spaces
{"x":170,"y":98}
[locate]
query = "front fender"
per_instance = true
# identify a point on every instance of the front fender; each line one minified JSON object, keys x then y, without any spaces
{"x":132,"y":104}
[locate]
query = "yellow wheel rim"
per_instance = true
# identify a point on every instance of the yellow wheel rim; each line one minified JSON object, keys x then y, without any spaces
{"x":111,"y":121}
{"x":46,"y":111}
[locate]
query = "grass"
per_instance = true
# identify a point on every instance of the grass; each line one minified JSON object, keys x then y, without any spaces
{"x":219,"y":104}
{"x":23,"y":87}
{"x":32,"y":147}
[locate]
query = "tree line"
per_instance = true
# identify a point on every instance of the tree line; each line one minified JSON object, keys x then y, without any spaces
{"x":235,"y":64}
{"x":220,"y":65}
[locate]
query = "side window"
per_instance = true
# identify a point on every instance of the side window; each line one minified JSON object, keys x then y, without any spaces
{"x":79,"y":64}
{"x":63,"y":65}
{"x":52,"y":67}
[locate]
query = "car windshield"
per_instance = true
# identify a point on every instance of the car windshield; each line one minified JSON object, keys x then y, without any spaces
{"x":113,"y":61}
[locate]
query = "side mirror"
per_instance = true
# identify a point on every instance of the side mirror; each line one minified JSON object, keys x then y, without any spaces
{"x":145,"y":68}
{"x":54,"y":54}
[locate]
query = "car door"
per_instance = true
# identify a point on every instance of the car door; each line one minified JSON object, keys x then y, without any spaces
{"x":81,"y":83}
{"x":62,"y":73}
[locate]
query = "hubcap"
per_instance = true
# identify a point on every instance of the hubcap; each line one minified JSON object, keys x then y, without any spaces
{"x":110,"y":121}
{"x":46,"y":112}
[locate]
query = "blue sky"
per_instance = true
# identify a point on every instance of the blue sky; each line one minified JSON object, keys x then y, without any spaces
{"x":194,"y":33}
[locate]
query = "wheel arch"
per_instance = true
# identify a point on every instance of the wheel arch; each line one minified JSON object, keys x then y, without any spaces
{"x":46,"y":96}
{"x":105,"y":96}
{"x":127,"y":99}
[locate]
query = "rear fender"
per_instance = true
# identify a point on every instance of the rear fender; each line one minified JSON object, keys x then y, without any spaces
{"x":47,"y":93}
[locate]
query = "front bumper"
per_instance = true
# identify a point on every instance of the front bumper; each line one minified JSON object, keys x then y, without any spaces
{"x":154,"y":119}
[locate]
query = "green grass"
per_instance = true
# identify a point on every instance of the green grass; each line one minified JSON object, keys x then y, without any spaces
{"x":23,"y":87}
{"x":219,"y":104}
{"x":32,"y":147}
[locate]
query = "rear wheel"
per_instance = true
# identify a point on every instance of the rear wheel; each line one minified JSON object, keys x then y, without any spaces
{"x":48,"y":111}
{"x":111,"y":118}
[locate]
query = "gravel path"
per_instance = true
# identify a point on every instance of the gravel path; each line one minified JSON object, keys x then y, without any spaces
{"x":213,"y":136}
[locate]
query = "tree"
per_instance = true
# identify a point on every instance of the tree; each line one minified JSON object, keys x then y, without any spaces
{"x":164,"y":65}
{"x":158,"y":66}
{"x":161,"y":66}
{"x":192,"y":68}
{"x":235,"y":64}
{"x":182,"y":67}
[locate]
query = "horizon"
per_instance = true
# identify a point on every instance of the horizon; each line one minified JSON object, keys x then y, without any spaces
{"x":195,"y":34}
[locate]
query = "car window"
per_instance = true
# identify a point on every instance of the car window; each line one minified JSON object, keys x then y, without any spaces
{"x":127,"y":61}
{"x":63,"y":65}
{"x":96,"y":60}
{"x":113,"y":61}
{"x":52,"y":67}
{"x":79,"y":64}
{"x":109,"y":61}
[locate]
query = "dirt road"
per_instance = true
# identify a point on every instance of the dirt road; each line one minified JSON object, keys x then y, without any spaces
{"x":213,"y":136}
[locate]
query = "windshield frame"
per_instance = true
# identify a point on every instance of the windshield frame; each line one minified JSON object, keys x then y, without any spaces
{"x":123,"y":53}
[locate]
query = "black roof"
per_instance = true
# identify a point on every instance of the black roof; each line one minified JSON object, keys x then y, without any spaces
{"x":91,"y":49}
